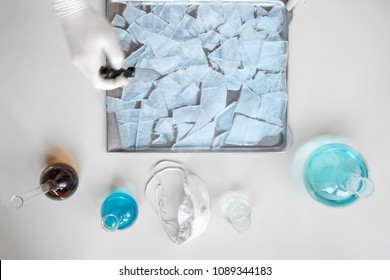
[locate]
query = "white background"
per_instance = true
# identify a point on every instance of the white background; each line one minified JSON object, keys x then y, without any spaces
{"x":338,"y":83}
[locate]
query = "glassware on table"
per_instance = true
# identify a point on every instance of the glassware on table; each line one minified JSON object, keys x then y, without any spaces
{"x":333,"y":172}
{"x":119,"y":210}
{"x":58,"y":181}
{"x":237,"y":211}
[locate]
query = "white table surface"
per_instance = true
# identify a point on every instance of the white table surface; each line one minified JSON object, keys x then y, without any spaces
{"x":338,"y":84}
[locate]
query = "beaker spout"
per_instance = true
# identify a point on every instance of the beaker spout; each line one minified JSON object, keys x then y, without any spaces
{"x":18,"y":201}
{"x":360,"y":186}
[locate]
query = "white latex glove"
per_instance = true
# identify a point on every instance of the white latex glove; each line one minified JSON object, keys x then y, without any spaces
{"x":89,"y":36}
{"x":291,"y":4}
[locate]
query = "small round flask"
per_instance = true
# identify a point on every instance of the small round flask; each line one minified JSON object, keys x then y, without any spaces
{"x":237,"y":211}
{"x":119,"y":210}
{"x":58,"y":181}
{"x":333,"y":172}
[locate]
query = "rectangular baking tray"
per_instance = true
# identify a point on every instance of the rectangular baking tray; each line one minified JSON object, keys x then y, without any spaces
{"x":278,"y":143}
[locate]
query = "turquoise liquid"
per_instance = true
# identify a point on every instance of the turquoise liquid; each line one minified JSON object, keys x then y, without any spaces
{"x":123,"y":207}
{"x":327,"y":171}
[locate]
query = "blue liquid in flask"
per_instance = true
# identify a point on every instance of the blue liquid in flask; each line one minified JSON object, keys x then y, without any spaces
{"x":336,"y":175}
{"x":119,"y":211}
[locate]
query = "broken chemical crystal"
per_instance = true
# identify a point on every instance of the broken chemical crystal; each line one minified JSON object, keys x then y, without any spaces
{"x":124,"y":38}
{"x":273,"y":108}
{"x":131,"y":13}
{"x":118,"y":21}
{"x":248,"y":102}
{"x":248,"y":132}
{"x":202,"y":138}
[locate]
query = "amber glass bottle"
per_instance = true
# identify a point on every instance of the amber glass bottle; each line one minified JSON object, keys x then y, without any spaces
{"x":59,"y":180}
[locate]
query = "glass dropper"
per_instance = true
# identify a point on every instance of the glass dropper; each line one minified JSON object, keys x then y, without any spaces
{"x":18,"y":201}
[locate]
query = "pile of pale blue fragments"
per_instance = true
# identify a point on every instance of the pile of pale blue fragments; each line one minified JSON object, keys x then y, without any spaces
{"x":221,"y":75}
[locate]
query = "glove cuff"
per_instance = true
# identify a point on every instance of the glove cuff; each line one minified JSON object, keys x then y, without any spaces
{"x":67,"y":7}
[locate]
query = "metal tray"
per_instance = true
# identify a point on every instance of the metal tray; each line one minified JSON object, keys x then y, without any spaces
{"x":277,"y":143}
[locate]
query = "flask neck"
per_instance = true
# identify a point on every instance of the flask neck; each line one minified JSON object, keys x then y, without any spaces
{"x":111,"y":221}
{"x":237,"y":211}
{"x":18,"y":201}
{"x":358,"y":185}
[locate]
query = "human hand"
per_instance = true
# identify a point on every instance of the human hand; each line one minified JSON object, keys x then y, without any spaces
{"x":89,"y":36}
{"x":293,"y":3}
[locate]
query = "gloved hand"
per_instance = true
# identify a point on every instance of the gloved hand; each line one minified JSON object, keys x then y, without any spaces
{"x":89,"y":36}
{"x":293,"y":3}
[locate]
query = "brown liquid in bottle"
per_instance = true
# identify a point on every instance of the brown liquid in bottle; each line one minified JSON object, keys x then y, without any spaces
{"x":60,"y":172}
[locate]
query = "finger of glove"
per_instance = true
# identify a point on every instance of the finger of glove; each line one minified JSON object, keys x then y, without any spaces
{"x":109,"y":84}
{"x":113,"y":50}
{"x":291,"y":4}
